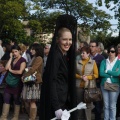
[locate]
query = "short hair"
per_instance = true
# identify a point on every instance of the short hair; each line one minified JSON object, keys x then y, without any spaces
{"x":94,"y":41}
{"x":86,"y":49}
{"x":62,"y":30}
{"x":48,"y":45}
{"x":16,"y":47}
{"x":116,"y":51}
{"x":100,"y":44}
{"x":3,"y":62}
{"x":22,"y":47}
{"x":84,"y":42}
{"x":118,"y":46}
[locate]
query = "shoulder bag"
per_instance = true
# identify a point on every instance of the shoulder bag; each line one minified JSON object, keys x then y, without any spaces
{"x":111,"y":86}
{"x":92,"y":94}
{"x":12,"y":80}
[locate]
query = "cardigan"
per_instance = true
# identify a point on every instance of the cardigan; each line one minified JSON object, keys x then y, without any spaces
{"x":112,"y":74}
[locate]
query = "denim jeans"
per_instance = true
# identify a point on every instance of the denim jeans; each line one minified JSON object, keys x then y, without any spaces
{"x":110,"y":100}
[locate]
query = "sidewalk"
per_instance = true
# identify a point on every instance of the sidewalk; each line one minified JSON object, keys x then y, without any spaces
{"x":24,"y":116}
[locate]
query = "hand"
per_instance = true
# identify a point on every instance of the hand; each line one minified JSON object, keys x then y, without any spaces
{"x":10,"y":70}
{"x":84,"y":77}
{"x":65,"y":115}
{"x":22,"y":78}
{"x":11,"y":55}
{"x":58,"y":113}
{"x":106,"y":71}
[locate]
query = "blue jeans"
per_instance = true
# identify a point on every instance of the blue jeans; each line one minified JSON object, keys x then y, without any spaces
{"x":110,"y":100}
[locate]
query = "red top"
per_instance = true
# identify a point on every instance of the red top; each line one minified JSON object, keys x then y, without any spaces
{"x":119,"y":57}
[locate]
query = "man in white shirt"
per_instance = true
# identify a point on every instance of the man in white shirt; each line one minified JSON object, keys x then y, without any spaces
{"x":1,"y":50}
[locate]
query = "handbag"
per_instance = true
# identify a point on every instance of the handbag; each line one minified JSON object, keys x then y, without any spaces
{"x":12,"y":80}
{"x":111,"y":86}
{"x":92,"y":94}
{"x":29,"y":80}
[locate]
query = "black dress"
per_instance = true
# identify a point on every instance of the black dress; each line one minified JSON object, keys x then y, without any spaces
{"x":56,"y":93}
{"x":58,"y":89}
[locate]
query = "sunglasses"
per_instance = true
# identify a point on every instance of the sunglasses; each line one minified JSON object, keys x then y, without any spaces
{"x":46,"y":48}
{"x":112,"y":51}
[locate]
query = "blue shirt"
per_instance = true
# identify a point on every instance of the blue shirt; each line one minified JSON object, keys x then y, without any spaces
{"x":2,"y":77}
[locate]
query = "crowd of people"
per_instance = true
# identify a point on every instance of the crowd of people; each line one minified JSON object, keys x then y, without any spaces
{"x":57,"y":75}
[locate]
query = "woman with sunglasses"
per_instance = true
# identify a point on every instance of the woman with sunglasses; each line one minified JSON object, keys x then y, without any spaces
{"x":109,"y":72}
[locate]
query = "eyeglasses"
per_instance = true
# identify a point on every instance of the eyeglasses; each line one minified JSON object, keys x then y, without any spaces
{"x":92,"y":46}
{"x":46,"y":48}
{"x":112,"y":51}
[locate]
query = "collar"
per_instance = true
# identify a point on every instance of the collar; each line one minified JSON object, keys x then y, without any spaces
{"x":112,"y":61}
{"x":94,"y":55}
{"x":89,"y":61}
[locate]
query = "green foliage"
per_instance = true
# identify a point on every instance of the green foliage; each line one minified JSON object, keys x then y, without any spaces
{"x":35,"y":26}
{"x":43,"y":17}
{"x":11,"y":11}
{"x":47,"y":20}
{"x":115,"y":7}
{"x":103,"y":37}
{"x":88,"y":16}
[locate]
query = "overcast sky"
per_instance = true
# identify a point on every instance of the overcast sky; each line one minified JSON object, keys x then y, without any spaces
{"x":112,"y":21}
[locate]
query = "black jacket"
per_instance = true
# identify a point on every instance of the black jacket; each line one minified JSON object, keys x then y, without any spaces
{"x":59,"y":83}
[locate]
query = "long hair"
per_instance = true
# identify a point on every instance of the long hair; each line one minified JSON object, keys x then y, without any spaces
{"x":38,"y":49}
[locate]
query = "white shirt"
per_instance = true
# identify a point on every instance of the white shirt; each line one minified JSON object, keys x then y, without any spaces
{"x":109,"y":66}
{"x":1,"y":52}
{"x":25,"y":56}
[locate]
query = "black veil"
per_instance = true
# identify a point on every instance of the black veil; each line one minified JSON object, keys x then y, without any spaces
{"x":69,"y":22}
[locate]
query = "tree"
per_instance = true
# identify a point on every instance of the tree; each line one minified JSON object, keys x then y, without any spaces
{"x":47,"y":20}
{"x":102,"y":36}
{"x":116,"y":7}
{"x":35,"y":26}
{"x":88,"y":17}
{"x":11,"y":13}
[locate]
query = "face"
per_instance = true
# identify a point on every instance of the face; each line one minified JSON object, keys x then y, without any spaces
{"x":65,"y":41}
{"x":112,"y":53}
{"x":2,"y":69}
{"x":4,"y":48}
{"x":93,"y":48}
{"x":118,"y":50}
{"x":46,"y":50}
{"x":11,"y":43}
{"x":81,"y":45}
{"x":99,"y":50}
{"x":33,"y":52}
{"x":105,"y":51}
{"x":84,"y":55}
{"x":1,"y":65}
{"x":16,"y":53}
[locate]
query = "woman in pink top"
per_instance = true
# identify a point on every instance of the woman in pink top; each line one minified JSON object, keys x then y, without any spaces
{"x":118,"y":47}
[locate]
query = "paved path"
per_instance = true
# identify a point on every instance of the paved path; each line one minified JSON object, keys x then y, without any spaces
{"x":24,"y":116}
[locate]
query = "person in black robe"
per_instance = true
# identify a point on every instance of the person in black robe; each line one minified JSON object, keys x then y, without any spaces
{"x":58,"y":91}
